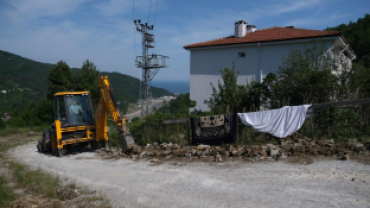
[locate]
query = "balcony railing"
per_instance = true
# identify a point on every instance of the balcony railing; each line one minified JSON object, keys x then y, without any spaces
{"x":152,"y":61}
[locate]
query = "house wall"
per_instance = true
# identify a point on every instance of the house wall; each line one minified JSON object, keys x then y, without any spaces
{"x":259,"y":60}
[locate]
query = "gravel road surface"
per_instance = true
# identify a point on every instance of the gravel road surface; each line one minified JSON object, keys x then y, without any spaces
{"x":127,"y":183}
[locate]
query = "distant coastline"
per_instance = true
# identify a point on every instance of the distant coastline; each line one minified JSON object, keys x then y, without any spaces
{"x":178,"y":87}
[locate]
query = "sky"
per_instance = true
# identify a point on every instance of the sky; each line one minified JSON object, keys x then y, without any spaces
{"x":103,"y":31}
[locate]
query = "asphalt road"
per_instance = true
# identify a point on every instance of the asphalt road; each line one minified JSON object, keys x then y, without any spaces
{"x":127,"y":183}
{"x":156,"y":104}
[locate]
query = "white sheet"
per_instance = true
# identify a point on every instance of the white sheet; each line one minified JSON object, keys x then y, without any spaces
{"x":281,"y":122}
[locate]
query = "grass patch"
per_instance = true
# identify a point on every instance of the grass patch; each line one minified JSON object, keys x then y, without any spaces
{"x":113,"y":138}
{"x":6,"y":194}
{"x":8,"y":130}
{"x":35,"y":181}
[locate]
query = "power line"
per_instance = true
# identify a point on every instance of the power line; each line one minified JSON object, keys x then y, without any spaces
{"x":133,"y":15}
{"x":155,"y":11}
{"x":149,"y":11}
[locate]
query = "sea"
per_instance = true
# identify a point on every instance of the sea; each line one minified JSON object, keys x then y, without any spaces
{"x":178,"y":87}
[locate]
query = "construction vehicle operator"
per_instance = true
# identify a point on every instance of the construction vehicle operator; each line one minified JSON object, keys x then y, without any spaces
{"x":74,"y":110}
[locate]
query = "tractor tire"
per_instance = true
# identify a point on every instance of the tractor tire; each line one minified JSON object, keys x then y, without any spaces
{"x":39,"y":147}
{"x":95,"y":145}
{"x":55,"y":148}
{"x":84,"y":144}
{"x":60,"y":152}
{"x":47,"y":136}
{"x":104,"y":144}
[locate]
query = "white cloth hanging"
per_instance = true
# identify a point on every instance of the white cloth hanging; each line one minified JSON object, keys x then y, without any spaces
{"x":281,"y":122}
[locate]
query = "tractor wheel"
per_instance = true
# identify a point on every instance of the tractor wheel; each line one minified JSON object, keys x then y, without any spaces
{"x":54,"y":145}
{"x":60,"y":152}
{"x":104,"y":144}
{"x":39,"y":146}
{"x":47,"y":146}
{"x":94,"y":145}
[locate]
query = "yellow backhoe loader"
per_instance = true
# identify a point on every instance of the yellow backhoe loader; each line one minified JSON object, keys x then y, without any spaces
{"x":75,"y":124}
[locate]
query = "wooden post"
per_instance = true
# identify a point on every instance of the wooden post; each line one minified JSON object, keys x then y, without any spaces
{"x":188,"y":130}
{"x":164,"y":130}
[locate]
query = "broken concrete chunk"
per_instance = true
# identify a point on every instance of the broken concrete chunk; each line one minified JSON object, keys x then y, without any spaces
{"x":143,"y":154}
{"x":298,"y":144}
{"x":274,"y":153}
{"x":352,"y":141}
{"x":235,"y":153}
{"x":227,"y":154}
{"x":203,"y":147}
{"x":149,"y":147}
{"x":168,"y":152}
{"x":150,"y":154}
{"x":283,"y":142}
{"x":360,"y":147}
{"x":155,"y":161}
{"x":329,"y":141}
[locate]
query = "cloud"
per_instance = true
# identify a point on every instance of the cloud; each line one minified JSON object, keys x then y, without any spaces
{"x":103,"y":30}
{"x":314,"y":21}
{"x":112,"y":8}
{"x":26,"y":10}
{"x":288,"y":6}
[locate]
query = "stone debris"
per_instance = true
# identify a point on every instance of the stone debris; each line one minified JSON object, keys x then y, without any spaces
{"x":295,"y":145}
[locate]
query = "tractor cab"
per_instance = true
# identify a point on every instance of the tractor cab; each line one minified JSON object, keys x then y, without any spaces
{"x":73,"y":109}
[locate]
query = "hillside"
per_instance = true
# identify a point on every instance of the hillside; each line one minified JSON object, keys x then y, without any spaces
{"x":25,"y":80}
{"x":358,"y":36}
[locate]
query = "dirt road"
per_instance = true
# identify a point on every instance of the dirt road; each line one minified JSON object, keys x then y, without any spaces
{"x":328,"y":183}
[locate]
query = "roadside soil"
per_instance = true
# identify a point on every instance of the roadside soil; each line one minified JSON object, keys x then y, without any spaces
{"x":24,"y":194}
{"x":186,"y":182}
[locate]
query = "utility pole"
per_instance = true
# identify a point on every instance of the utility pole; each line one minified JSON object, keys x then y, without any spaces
{"x":150,"y":65}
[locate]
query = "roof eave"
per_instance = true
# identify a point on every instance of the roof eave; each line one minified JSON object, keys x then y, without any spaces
{"x":227,"y":44}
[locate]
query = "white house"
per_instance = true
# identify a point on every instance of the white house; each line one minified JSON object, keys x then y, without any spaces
{"x":255,"y":53}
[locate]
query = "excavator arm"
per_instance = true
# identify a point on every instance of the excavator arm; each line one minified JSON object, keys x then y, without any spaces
{"x":107,"y":103}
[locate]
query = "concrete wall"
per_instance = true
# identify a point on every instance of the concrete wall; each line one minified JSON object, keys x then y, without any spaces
{"x":259,"y":60}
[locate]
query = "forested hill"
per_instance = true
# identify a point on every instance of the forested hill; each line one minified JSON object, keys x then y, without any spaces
{"x":358,"y":36}
{"x":25,"y":80}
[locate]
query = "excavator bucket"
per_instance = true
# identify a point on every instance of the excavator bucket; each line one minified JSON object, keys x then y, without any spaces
{"x":127,"y":143}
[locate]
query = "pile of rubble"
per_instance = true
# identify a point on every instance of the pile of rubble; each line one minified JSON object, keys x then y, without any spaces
{"x":290,"y":146}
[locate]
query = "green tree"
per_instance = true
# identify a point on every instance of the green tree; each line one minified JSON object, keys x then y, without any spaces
{"x":226,"y":94}
{"x":357,"y":34}
{"x":305,"y":76}
{"x":87,"y":79}
{"x":60,"y":79}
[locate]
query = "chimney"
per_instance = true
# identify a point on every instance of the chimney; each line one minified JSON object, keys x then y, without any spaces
{"x":240,"y":28}
{"x":251,"y":28}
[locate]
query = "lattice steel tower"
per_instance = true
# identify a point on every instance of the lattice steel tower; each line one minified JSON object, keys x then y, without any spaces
{"x":150,"y":65}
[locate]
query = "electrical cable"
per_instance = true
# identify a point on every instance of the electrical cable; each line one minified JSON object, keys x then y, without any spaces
{"x":149,"y":11}
{"x":133,"y":16}
{"x":155,"y":11}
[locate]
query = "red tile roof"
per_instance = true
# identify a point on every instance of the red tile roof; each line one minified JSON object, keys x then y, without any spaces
{"x":267,"y":35}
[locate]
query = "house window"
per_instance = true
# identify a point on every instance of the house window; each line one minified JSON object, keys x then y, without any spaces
{"x":241,"y":55}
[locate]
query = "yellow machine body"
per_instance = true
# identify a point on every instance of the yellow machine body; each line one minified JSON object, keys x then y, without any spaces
{"x":75,"y":124}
